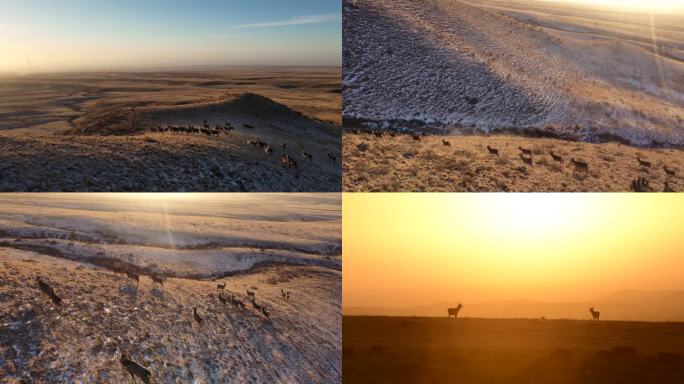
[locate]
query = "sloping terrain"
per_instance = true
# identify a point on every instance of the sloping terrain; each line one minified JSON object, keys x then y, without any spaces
{"x":400,"y":163}
{"x":85,"y":247}
{"x":450,"y":65}
{"x":104,"y":314}
{"x":99,"y":132}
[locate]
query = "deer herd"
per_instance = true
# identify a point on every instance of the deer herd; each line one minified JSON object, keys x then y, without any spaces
{"x":287,"y":160}
{"x":526,"y":156}
{"x":133,"y":368}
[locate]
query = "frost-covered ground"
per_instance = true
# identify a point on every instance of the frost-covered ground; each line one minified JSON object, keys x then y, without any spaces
{"x":449,"y":65}
{"x":82,"y":244}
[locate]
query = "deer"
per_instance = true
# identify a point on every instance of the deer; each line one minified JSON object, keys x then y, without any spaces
{"x":133,"y":276}
{"x":251,"y":294}
{"x":595,"y":314}
{"x":492,"y":151}
{"x":416,"y":137}
{"x":527,"y":152}
{"x":643,"y":163}
{"x":526,"y":160}
{"x":256,"y":305}
{"x":556,"y":157}
{"x":197,"y":317}
{"x":48,"y":291}
{"x":158,"y":279}
{"x":669,"y":172}
{"x":446,"y":143}
{"x":454,"y":311}
{"x":307,"y":155}
{"x":580,"y":164}
{"x":640,"y":184}
{"x":135,"y":369}
{"x":237,"y":303}
{"x":221,"y":286}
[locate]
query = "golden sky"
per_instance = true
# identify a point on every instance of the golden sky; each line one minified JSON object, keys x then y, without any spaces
{"x":402,"y":250}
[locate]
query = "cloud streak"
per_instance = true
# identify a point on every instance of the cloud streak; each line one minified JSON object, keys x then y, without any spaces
{"x":299,"y":20}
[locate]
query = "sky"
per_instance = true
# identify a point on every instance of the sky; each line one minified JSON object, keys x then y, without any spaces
{"x":404,"y":250}
{"x":658,"y":6}
{"x":71,"y":35}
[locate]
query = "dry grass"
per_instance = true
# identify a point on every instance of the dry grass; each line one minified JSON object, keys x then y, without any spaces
{"x":467,"y":166}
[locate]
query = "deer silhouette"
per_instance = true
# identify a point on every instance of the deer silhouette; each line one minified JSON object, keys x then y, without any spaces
{"x":556,"y":157}
{"x":492,"y":151}
{"x":595,"y":314}
{"x":221,"y":286}
{"x":416,"y":137}
{"x":446,"y":143}
{"x":237,"y":303}
{"x":643,"y":163}
{"x":454,"y":311}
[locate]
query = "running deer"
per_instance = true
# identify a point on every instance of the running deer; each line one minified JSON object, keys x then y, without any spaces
{"x":446,"y":143}
{"x":197,"y":317}
{"x":527,"y":152}
{"x":237,"y":303}
{"x":158,"y":279}
{"x":643,"y":163}
{"x":454,"y":311}
{"x":221,"y":286}
{"x":135,"y":369}
{"x":133,"y":276}
{"x":48,"y":291}
{"x":595,"y":314}
{"x":526,"y":160}
{"x":556,"y":157}
{"x":669,"y":172}
{"x":492,"y":151}
{"x":580,"y":164}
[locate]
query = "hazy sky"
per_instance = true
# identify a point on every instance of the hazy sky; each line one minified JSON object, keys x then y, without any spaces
{"x":402,"y":250}
{"x":47,"y":35}
{"x":640,"y":5}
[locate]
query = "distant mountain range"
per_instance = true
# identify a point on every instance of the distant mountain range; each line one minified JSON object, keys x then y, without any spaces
{"x":621,"y":305}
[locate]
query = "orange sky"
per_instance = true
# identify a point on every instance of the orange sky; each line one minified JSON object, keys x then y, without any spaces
{"x":401,"y":250}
